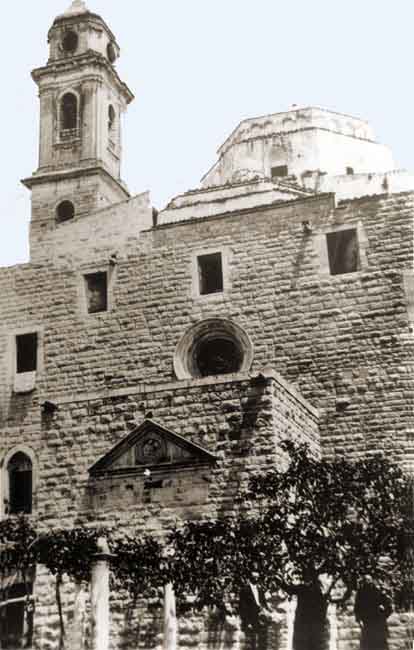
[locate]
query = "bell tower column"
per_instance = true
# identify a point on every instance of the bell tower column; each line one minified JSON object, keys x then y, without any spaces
{"x":82,"y":99}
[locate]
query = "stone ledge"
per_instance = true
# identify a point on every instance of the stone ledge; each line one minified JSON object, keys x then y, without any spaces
{"x":267,"y":374}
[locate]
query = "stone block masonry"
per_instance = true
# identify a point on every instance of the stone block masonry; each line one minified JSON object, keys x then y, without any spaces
{"x":299,"y":324}
{"x":240,"y":420}
{"x":343,"y":340}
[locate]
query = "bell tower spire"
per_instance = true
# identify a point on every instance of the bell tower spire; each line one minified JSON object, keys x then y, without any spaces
{"x":77,"y":6}
{"x":82,"y":100}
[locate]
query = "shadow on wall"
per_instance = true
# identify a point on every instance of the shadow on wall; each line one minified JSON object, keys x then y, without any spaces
{"x":140,"y":626}
{"x":260,"y":632}
{"x":251,"y":410}
{"x":220,"y":632}
{"x":19,"y":406}
{"x":372,"y":608}
{"x":310,"y":630}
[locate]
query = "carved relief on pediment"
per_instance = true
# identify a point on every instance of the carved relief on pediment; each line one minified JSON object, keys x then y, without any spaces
{"x":152,"y":464}
{"x":151,"y":445}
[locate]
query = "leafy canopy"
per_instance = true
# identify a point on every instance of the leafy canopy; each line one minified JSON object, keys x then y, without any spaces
{"x":334,"y":519}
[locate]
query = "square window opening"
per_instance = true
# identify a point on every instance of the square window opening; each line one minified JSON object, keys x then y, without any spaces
{"x":343,"y":251}
{"x":96,"y":286}
{"x":210,"y":273}
{"x":279,"y":172}
{"x":26,"y":352}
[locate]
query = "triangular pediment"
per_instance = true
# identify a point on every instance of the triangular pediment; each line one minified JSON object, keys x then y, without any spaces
{"x":151,"y":446}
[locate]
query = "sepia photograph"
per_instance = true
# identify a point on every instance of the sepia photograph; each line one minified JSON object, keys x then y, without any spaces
{"x":207,"y":326}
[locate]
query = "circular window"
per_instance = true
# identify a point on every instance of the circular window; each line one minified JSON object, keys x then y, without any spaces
{"x":65,"y":211}
{"x":70,"y":42}
{"x":217,"y":356}
{"x":213,"y":347}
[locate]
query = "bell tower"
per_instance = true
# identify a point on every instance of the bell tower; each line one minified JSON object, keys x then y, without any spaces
{"x":82,"y":100}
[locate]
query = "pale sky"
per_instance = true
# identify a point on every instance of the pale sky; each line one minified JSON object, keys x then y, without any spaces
{"x":197,"y":68}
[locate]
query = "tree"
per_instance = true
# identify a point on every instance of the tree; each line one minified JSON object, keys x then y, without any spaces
{"x":17,"y":563}
{"x":213,"y":561}
{"x":139,"y":567}
{"x":333,"y":522}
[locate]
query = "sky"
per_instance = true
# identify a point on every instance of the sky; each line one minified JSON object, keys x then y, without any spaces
{"x":197,"y":68}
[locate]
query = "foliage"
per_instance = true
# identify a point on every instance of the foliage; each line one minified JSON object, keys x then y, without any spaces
{"x":326,"y":522}
{"x":214,"y":561}
{"x":334,"y":520}
{"x":69,"y":551}
{"x":17,"y":536}
{"x":138,"y":565}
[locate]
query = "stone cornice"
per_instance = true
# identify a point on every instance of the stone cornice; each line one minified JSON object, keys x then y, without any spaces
{"x":79,"y":172}
{"x":238,"y":211}
{"x":267,"y":375}
{"x":90,"y":58}
{"x":230,"y":140}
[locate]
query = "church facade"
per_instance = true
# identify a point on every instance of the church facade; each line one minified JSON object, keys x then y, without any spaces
{"x":273,"y":301}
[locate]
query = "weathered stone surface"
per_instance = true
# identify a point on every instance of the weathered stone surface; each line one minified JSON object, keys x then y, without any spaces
{"x":332,"y":354}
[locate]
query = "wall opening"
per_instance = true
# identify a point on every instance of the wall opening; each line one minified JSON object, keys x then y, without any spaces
{"x":69,"y":112}
{"x":70,"y":42}
{"x":96,"y":286}
{"x":16,"y":618}
{"x":350,"y":171}
{"x":215,"y":346}
{"x":279,"y":171}
{"x":65,"y":211}
{"x":20,"y":476}
{"x":217,"y":356}
{"x":210,"y":273}
{"x":111,"y":118}
{"x":26,"y":352}
{"x":343,"y":251}
{"x":111,"y":52}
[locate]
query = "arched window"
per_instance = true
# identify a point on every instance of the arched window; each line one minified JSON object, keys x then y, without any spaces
{"x":20,"y":479}
{"x":70,"y":42}
{"x":111,"y":52}
{"x":69,"y":112}
{"x":65,"y":211}
{"x":111,"y":118}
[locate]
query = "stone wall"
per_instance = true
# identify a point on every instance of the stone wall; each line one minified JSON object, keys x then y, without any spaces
{"x":343,"y":337}
{"x":241,"y":421}
{"x":343,"y":341}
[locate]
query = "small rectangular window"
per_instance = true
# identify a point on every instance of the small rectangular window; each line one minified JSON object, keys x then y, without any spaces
{"x":350,"y":171}
{"x":20,"y":487}
{"x":279,"y":171}
{"x":210,"y":273}
{"x":343,"y":251}
{"x":26,"y":352}
{"x":96,"y":287}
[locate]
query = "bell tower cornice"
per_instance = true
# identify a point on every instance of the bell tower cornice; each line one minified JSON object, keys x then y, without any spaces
{"x":82,"y":65}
